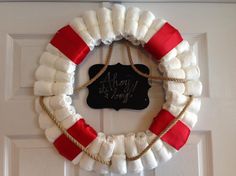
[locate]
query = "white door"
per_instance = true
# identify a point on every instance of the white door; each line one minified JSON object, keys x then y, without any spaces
{"x":25,"y":29}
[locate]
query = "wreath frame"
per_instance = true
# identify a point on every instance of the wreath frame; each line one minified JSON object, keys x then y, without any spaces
{"x":68,"y":131}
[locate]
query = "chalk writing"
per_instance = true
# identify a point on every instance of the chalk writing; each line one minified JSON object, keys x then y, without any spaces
{"x":118,"y":87}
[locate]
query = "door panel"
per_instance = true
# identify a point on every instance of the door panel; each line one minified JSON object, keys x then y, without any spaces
{"x":26,"y":28}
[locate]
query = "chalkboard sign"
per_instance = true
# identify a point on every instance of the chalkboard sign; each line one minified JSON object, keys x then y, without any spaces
{"x":118,"y":87}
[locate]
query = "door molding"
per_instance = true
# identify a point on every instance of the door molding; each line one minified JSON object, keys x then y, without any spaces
{"x":129,"y":1}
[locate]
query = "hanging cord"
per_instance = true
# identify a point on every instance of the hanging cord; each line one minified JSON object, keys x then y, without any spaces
{"x":169,"y":126}
{"x":86,"y":84}
{"x":163,"y":78}
{"x":71,"y":138}
{"x":96,"y":157}
{"x":108,"y":58}
{"x":84,"y":149}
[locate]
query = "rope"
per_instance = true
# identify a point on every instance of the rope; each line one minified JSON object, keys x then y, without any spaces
{"x":163,"y":78}
{"x":108,"y":58}
{"x":170,"y":125}
{"x":71,"y":138}
{"x":96,"y":157}
{"x":86,"y":84}
{"x":84,"y":149}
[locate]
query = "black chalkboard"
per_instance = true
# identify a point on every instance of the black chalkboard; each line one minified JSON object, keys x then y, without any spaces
{"x":118,"y":87}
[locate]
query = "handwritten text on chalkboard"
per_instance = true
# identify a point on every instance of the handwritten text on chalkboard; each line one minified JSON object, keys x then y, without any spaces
{"x":118,"y":87}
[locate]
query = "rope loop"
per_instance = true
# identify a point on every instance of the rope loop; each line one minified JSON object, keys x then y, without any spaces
{"x":84,"y":149}
{"x":71,"y":138}
{"x":96,"y":157}
{"x":108,"y":58}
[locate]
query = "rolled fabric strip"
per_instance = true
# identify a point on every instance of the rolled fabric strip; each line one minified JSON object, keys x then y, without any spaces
{"x":192,"y":72}
{"x":193,"y":88}
{"x":43,"y":88}
{"x":118,"y":20}
{"x":131,"y":24}
{"x":161,"y":121}
{"x":183,"y":46}
{"x":161,"y":152}
{"x":54,"y":132}
{"x":164,"y":41}
{"x":77,"y":159}
{"x":148,"y":159}
{"x":48,"y":59}
{"x":144,"y":23}
{"x":105,"y":154}
{"x":46,"y":73}
{"x":174,"y":110}
{"x":53,"y":50}
{"x":38,"y":107}
{"x":170,"y":55}
{"x":119,"y":144}
{"x":176,"y":99}
{"x":70,"y":44}
{"x":169,"y":148}
{"x":194,"y":107}
{"x":58,"y":101}
{"x":60,"y":114}
{"x":82,"y":132}
{"x":105,"y":25}
{"x":155,"y":26}
{"x":172,"y":64}
{"x":90,"y":19}
{"x":190,"y":119}
{"x":65,"y":65}
{"x":132,"y":13}
{"x":64,"y":77}
{"x":131,"y":151}
{"x":119,"y":164}
{"x":157,"y":145}
{"x":45,"y":121}
{"x":118,"y":158}
{"x":164,"y":154}
{"x":86,"y":162}
{"x":187,"y":59}
{"x":80,"y":28}
{"x":175,"y":73}
{"x":62,"y":88}
{"x":57,"y":62}
{"x":174,"y":86}
{"x":63,"y":113}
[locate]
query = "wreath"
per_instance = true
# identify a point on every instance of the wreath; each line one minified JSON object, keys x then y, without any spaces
{"x":67,"y":130}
